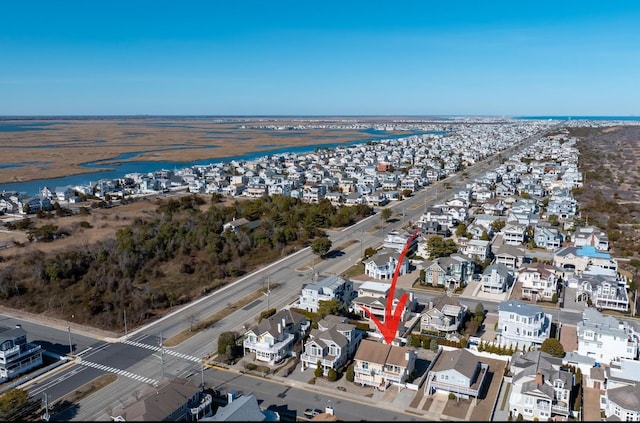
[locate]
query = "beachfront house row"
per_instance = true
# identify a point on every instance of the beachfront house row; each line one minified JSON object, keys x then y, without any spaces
{"x":329,"y":288}
{"x":605,"y":338}
{"x":274,"y":337}
{"x":332,"y":344}
{"x":381,"y":365}
{"x":458,"y":372}
{"x":540,"y":387}
{"x":522,"y":324}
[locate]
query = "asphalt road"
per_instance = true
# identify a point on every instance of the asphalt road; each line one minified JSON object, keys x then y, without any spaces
{"x":137,"y":357}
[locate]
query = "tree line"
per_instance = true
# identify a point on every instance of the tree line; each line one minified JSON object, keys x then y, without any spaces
{"x":166,"y":258}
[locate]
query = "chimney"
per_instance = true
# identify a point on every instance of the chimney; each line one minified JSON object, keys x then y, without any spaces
{"x":329,"y":409}
{"x":284,"y":323}
{"x":539,"y":378}
{"x":279,"y":328}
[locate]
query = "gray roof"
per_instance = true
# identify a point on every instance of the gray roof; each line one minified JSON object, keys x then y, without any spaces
{"x":627,"y":397}
{"x":243,"y":409}
{"x":518,"y":307}
{"x":459,"y":360}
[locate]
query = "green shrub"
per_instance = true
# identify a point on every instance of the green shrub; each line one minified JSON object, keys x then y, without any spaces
{"x":452,"y":396}
{"x":351,"y":373}
{"x":332,"y":376}
{"x":312,"y":381}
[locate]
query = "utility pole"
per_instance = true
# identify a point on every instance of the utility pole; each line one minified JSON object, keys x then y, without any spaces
{"x":46,"y":415}
{"x":361,"y":254}
{"x":69,"y":332}
{"x":161,"y":356}
{"x":125,"y":321}
{"x":202,"y":373}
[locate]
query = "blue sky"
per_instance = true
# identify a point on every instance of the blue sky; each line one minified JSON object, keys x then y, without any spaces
{"x":320,"y":58}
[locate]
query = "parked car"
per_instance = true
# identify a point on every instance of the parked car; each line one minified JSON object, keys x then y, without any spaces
{"x":309,"y":413}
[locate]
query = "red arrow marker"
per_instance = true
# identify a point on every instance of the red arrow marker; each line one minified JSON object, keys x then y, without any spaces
{"x":389,"y":328}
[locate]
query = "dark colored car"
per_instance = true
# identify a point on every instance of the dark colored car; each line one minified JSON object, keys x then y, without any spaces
{"x":309,"y":413}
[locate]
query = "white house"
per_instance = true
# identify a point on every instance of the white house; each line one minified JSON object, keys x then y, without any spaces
{"x":382,"y":265}
{"x":329,"y":288}
{"x":538,"y":280}
{"x":332,"y":344}
{"x":522,"y":324}
{"x":540,"y":387}
{"x":458,"y":372}
{"x":605,"y":338}
{"x":17,"y":356}
{"x":274,"y":337}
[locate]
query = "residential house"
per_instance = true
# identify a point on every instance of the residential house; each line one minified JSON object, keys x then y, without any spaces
{"x":64,"y":193}
{"x":579,"y":259}
{"x":451,"y":272}
{"x":236,"y":224}
{"x":593,"y":236}
{"x":437,"y":214}
{"x":547,"y":238}
{"x":381,"y":365}
{"x":333,"y":344}
{"x":540,"y":386}
{"x":242,"y":408}
{"x":329,"y":288}
{"x":605,"y":291}
{"x":374,"y":296}
{"x":496,"y":278}
{"x":443,"y":314}
{"x":382,"y":265}
{"x":510,"y":256}
{"x":539,"y":282}
{"x":621,"y":399}
{"x":563,"y":209}
{"x":522,"y":324}
{"x":605,"y":338}
{"x":490,"y":205}
{"x":274,"y":337}
{"x":475,"y":248}
{"x":514,"y":233}
{"x":174,"y":400}
{"x":17,"y":356}
{"x":458,"y":372}
{"x":397,"y":240}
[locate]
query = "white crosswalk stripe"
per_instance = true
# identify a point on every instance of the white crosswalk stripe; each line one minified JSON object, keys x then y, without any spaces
{"x":119,"y":372}
{"x":167,"y":351}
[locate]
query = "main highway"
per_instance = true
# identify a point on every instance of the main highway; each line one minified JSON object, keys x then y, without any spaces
{"x":140,"y":359}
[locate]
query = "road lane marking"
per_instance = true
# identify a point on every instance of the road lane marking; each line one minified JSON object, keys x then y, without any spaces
{"x":119,"y":372}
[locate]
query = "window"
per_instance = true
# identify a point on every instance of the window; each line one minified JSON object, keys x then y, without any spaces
{"x":365,"y":365}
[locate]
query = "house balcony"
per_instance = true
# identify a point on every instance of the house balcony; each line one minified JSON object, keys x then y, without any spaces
{"x":331,"y":362}
{"x":562,"y":408}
